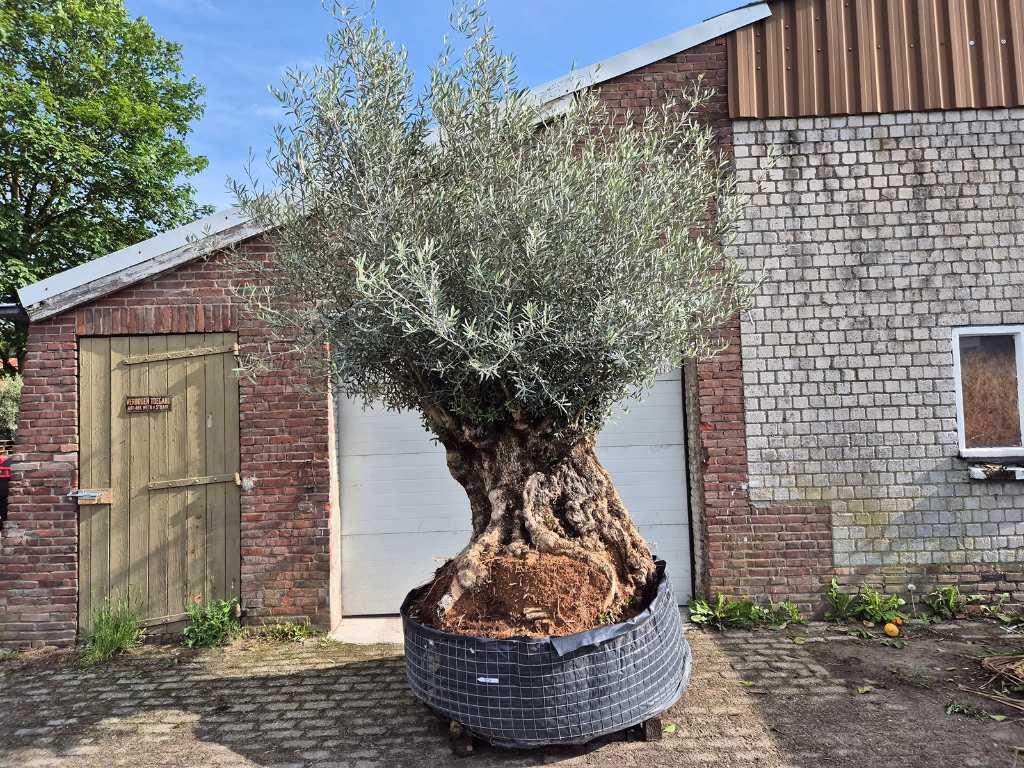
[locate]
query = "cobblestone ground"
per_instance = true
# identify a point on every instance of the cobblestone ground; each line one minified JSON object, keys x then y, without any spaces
{"x":321,"y":704}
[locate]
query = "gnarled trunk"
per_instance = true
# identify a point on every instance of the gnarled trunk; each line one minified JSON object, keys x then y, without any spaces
{"x":533,"y":494}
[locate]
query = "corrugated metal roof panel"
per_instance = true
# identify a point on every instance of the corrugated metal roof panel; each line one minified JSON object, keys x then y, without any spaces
{"x":828,"y":57}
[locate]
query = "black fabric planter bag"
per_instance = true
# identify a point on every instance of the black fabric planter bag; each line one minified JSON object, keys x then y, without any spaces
{"x":558,"y":690}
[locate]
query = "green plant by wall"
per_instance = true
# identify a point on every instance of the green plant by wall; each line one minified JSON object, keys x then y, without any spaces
{"x":726,"y":613}
{"x":879,"y":608}
{"x":213,"y":623}
{"x":1011,"y":618}
{"x":116,"y":628}
{"x":843,"y":605}
{"x":868,"y":605}
{"x":286,"y":632}
{"x":10,"y":396}
{"x":949,"y":602}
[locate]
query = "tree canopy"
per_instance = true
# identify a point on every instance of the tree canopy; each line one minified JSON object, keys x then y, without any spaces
{"x":95,"y":109}
{"x":466,"y":255}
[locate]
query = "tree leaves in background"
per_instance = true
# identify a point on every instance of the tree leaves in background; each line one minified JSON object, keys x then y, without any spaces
{"x":95,"y":108}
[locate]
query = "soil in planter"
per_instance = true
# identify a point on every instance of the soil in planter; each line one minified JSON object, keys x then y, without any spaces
{"x":538,"y":595}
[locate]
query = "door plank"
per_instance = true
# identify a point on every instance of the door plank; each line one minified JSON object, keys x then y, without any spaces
{"x":120,"y":556}
{"x":100,"y":448}
{"x":232,"y":493}
{"x":215,"y":465}
{"x":177,"y":446}
{"x":138,"y":503}
{"x":158,"y":425}
{"x":86,"y":379}
{"x":195,"y":430}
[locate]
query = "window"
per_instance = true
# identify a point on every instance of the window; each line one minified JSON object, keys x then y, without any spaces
{"x":989,"y":365}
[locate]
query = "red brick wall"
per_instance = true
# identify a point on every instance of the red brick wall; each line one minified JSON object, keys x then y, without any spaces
{"x":284,"y":446}
{"x":776,"y":551}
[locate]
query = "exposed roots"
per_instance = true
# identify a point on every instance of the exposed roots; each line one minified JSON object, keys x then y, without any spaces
{"x":552,"y":507}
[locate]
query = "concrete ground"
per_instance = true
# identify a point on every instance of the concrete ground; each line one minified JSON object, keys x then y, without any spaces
{"x":808,"y":696}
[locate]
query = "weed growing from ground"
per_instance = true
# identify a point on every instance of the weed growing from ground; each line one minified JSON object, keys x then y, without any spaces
{"x":843,"y":604}
{"x":727,"y":613}
{"x":954,"y":707}
{"x":949,"y":602}
{"x":116,"y":628}
{"x":213,"y":623}
{"x":1011,"y":618}
{"x":877,"y":607}
{"x":286,"y":631}
{"x":867,"y":605}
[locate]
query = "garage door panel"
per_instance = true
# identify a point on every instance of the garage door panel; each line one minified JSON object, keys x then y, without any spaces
{"x":658,"y":420}
{"x":371,"y":579}
{"x":401,"y":493}
{"x":378,"y":431}
{"x":649,"y":491}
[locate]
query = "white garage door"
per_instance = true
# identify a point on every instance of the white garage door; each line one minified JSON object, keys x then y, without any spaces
{"x":402,"y":514}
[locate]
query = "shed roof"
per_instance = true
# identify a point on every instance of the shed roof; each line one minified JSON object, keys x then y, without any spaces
{"x":170,"y":249}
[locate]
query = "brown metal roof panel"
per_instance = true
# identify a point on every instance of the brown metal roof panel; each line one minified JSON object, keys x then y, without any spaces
{"x":1015,"y":51}
{"x":808,"y":73}
{"x":900,"y":68}
{"x":839,"y":48}
{"x":817,"y":57}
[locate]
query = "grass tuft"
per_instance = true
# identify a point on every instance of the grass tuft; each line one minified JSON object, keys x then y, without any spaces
{"x":116,"y":628}
{"x":285,"y":632}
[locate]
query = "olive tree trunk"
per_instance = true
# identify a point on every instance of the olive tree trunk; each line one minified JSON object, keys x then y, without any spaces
{"x":530,"y":491}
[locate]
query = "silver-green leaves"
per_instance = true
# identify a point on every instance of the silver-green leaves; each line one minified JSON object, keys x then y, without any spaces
{"x":459,"y":255}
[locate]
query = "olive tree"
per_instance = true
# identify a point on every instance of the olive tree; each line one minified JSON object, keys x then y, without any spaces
{"x":509,"y":275}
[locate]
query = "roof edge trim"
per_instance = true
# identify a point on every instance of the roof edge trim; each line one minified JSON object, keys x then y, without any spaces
{"x":620,"y":64}
{"x":122,"y":268}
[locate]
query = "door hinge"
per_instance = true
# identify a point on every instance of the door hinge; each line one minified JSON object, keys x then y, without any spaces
{"x":178,"y":354}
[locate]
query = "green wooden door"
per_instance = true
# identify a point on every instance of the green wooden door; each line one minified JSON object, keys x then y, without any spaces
{"x":158,"y":422}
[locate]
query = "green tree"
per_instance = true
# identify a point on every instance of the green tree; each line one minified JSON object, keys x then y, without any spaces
{"x":510,"y":283}
{"x":95,"y":108}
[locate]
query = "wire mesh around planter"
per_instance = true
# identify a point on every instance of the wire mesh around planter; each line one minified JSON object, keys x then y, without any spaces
{"x":559,"y":690}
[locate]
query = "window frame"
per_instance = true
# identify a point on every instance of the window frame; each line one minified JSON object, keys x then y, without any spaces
{"x":1017,"y":331}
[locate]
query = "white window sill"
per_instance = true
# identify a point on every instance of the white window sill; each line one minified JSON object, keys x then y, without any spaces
{"x":994,"y":455}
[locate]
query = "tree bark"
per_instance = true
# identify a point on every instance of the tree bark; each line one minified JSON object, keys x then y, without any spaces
{"x":530,"y":491}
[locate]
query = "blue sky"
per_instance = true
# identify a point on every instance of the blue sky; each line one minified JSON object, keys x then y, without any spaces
{"x":237,"y":48}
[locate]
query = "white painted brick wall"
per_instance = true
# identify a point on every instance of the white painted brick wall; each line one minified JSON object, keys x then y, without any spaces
{"x":874,"y":237}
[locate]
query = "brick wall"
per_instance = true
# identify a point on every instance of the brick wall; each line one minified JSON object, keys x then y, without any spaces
{"x":284,"y":445}
{"x":777,"y":550}
{"x":877,"y":235}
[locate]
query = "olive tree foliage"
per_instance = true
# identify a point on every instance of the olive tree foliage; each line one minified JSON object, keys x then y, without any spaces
{"x":460,"y":254}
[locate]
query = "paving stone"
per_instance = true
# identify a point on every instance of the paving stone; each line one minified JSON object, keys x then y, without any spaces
{"x":306,"y":706}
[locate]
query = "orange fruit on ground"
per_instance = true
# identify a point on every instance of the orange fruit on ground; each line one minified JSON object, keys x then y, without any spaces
{"x":891,"y":630}
{"x":898,"y":621}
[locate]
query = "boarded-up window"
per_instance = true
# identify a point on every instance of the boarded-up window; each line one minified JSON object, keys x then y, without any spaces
{"x":989,"y":391}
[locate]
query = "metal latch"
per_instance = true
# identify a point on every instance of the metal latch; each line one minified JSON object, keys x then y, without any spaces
{"x":92,"y":495}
